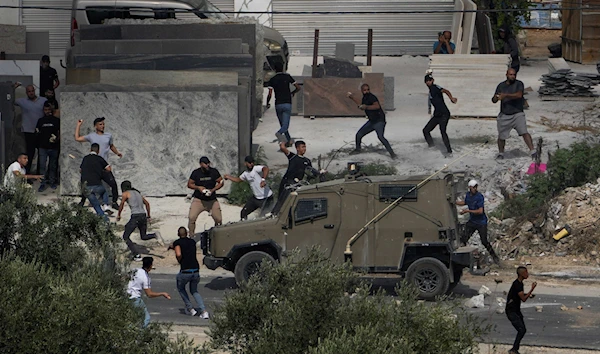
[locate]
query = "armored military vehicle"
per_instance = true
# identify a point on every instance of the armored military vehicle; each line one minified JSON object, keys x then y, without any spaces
{"x":406,"y":225}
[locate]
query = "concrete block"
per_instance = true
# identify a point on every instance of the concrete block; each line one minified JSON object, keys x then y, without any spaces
{"x":26,"y":56}
{"x":98,"y":32}
{"x":97,"y":46}
{"x":75,"y":76}
{"x":242,"y":63}
{"x":388,"y":88}
{"x":138,"y":47}
{"x":307,"y":70}
{"x":203,"y":46}
{"x":38,"y":42}
{"x":167,"y":77}
{"x":340,"y":68}
{"x":13,"y":39}
{"x":155,"y":163}
{"x":245,"y":48}
{"x":344,"y":51}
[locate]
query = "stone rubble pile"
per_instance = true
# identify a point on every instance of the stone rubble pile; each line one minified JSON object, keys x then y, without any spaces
{"x":577,"y":207}
{"x":567,"y":83}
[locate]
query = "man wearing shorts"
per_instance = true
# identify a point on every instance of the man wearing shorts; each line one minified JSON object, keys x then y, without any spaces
{"x":205,"y":181}
{"x":510,"y":94}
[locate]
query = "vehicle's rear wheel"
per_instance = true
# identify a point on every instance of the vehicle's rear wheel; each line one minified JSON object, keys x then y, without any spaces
{"x":430,"y":276}
{"x":248,"y":264}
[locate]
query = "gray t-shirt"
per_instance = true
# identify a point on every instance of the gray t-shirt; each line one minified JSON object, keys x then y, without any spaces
{"x":512,"y":106}
{"x":136,"y":203}
{"x":104,"y":140}
{"x":32,"y":111}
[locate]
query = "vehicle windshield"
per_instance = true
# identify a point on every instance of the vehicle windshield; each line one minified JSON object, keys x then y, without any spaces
{"x":202,"y":6}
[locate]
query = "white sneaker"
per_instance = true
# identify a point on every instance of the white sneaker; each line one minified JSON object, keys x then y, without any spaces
{"x":191,"y":312}
{"x":204,"y":315}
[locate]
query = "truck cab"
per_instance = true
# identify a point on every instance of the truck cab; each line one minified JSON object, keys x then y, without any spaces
{"x":416,"y":238}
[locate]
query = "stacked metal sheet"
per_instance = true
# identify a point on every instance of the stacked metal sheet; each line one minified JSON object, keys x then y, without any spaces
{"x":472,"y":79}
{"x":566,"y":83}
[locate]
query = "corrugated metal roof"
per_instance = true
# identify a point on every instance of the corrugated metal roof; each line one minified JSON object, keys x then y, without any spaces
{"x":393,"y":34}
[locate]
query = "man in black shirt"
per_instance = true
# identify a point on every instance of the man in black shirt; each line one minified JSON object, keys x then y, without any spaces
{"x":516,"y":295}
{"x":205,"y":181}
{"x":189,"y":273}
{"x":510,"y":94}
{"x":375,"y":114}
{"x":283,"y":101}
{"x":298,"y":166}
{"x":48,"y":76}
{"x":48,"y":133}
{"x":51,"y":98}
{"x":92,"y":168}
{"x":441,"y":114}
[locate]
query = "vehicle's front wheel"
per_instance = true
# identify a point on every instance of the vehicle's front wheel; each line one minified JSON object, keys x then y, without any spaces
{"x":430,"y":276}
{"x":248,"y":264}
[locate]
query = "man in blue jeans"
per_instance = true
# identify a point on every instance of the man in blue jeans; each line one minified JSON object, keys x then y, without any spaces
{"x":283,"y":101}
{"x":92,"y":169}
{"x":375,"y":115}
{"x":48,"y":133}
{"x":140,"y":282}
{"x":185,"y":252}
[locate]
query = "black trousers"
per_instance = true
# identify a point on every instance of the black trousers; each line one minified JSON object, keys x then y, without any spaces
{"x":30,"y":146}
{"x":470,"y":228}
{"x":379,"y":128}
{"x":442,"y":121}
{"x":109,"y":178}
{"x":140,"y":222}
{"x":516,"y":319}
{"x":253,"y":203}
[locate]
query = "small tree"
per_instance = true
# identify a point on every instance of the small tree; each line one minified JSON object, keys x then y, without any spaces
{"x":311,"y":305}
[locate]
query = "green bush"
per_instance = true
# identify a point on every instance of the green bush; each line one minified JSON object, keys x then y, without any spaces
{"x":311,"y":305}
{"x":63,"y":288}
{"x":567,"y":167}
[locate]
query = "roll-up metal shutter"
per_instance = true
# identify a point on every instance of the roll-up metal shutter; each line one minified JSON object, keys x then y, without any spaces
{"x":57,"y":22}
{"x":393,"y":34}
{"x":225,"y":6}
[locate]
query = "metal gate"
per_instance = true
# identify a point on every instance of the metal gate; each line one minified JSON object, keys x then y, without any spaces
{"x":57,"y":22}
{"x":393,"y":34}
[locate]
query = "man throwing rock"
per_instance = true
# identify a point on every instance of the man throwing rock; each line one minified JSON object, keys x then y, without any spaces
{"x":375,"y":114}
{"x":516,"y":295}
{"x":256,"y":176}
{"x":510,"y":94}
{"x":205,"y":181}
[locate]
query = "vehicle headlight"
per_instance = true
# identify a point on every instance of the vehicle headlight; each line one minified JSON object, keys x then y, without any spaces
{"x":273,"y":45}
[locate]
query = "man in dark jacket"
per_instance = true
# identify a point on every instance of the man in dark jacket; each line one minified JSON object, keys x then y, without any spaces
{"x":48,"y":133}
{"x":510,"y":47}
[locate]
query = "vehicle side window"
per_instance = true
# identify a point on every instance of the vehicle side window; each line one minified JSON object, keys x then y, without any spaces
{"x":310,"y":209}
{"x":97,"y":15}
{"x":391,"y":192}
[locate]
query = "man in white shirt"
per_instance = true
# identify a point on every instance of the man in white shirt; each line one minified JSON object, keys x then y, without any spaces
{"x":140,"y":280}
{"x":256,"y":176}
{"x":16,"y":172}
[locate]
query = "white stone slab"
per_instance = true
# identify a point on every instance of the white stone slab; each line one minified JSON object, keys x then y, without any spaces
{"x":162,"y":135}
{"x":22,"y":68}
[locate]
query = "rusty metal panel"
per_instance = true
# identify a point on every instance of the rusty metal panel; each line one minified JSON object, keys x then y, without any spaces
{"x":572,"y":30}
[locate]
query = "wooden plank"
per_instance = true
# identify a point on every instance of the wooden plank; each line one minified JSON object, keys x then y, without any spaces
{"x":562,"y":98}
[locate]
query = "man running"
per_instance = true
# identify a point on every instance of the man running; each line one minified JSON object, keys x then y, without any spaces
{"x":139,"y":219}
{"x":140,"y":280}
{"x":256,"y":176}
{"x":105,"y":141}
{"x":189,"y":273}
{"x":516,"y":295}
{"x":205,"y":181}
{"x":283,"y":101}
{"x":441,"y":114}
{"x":477,"y":218}
{"x":376,"y":115}
{"x":92,"y":169}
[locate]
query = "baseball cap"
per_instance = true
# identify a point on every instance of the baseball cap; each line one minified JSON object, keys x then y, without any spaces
{"x":204,"y":159}
{"x":249,"y":159}
{"x":472,"y":183}
{"x":98,"y":120}
{"x":428,"y":77}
